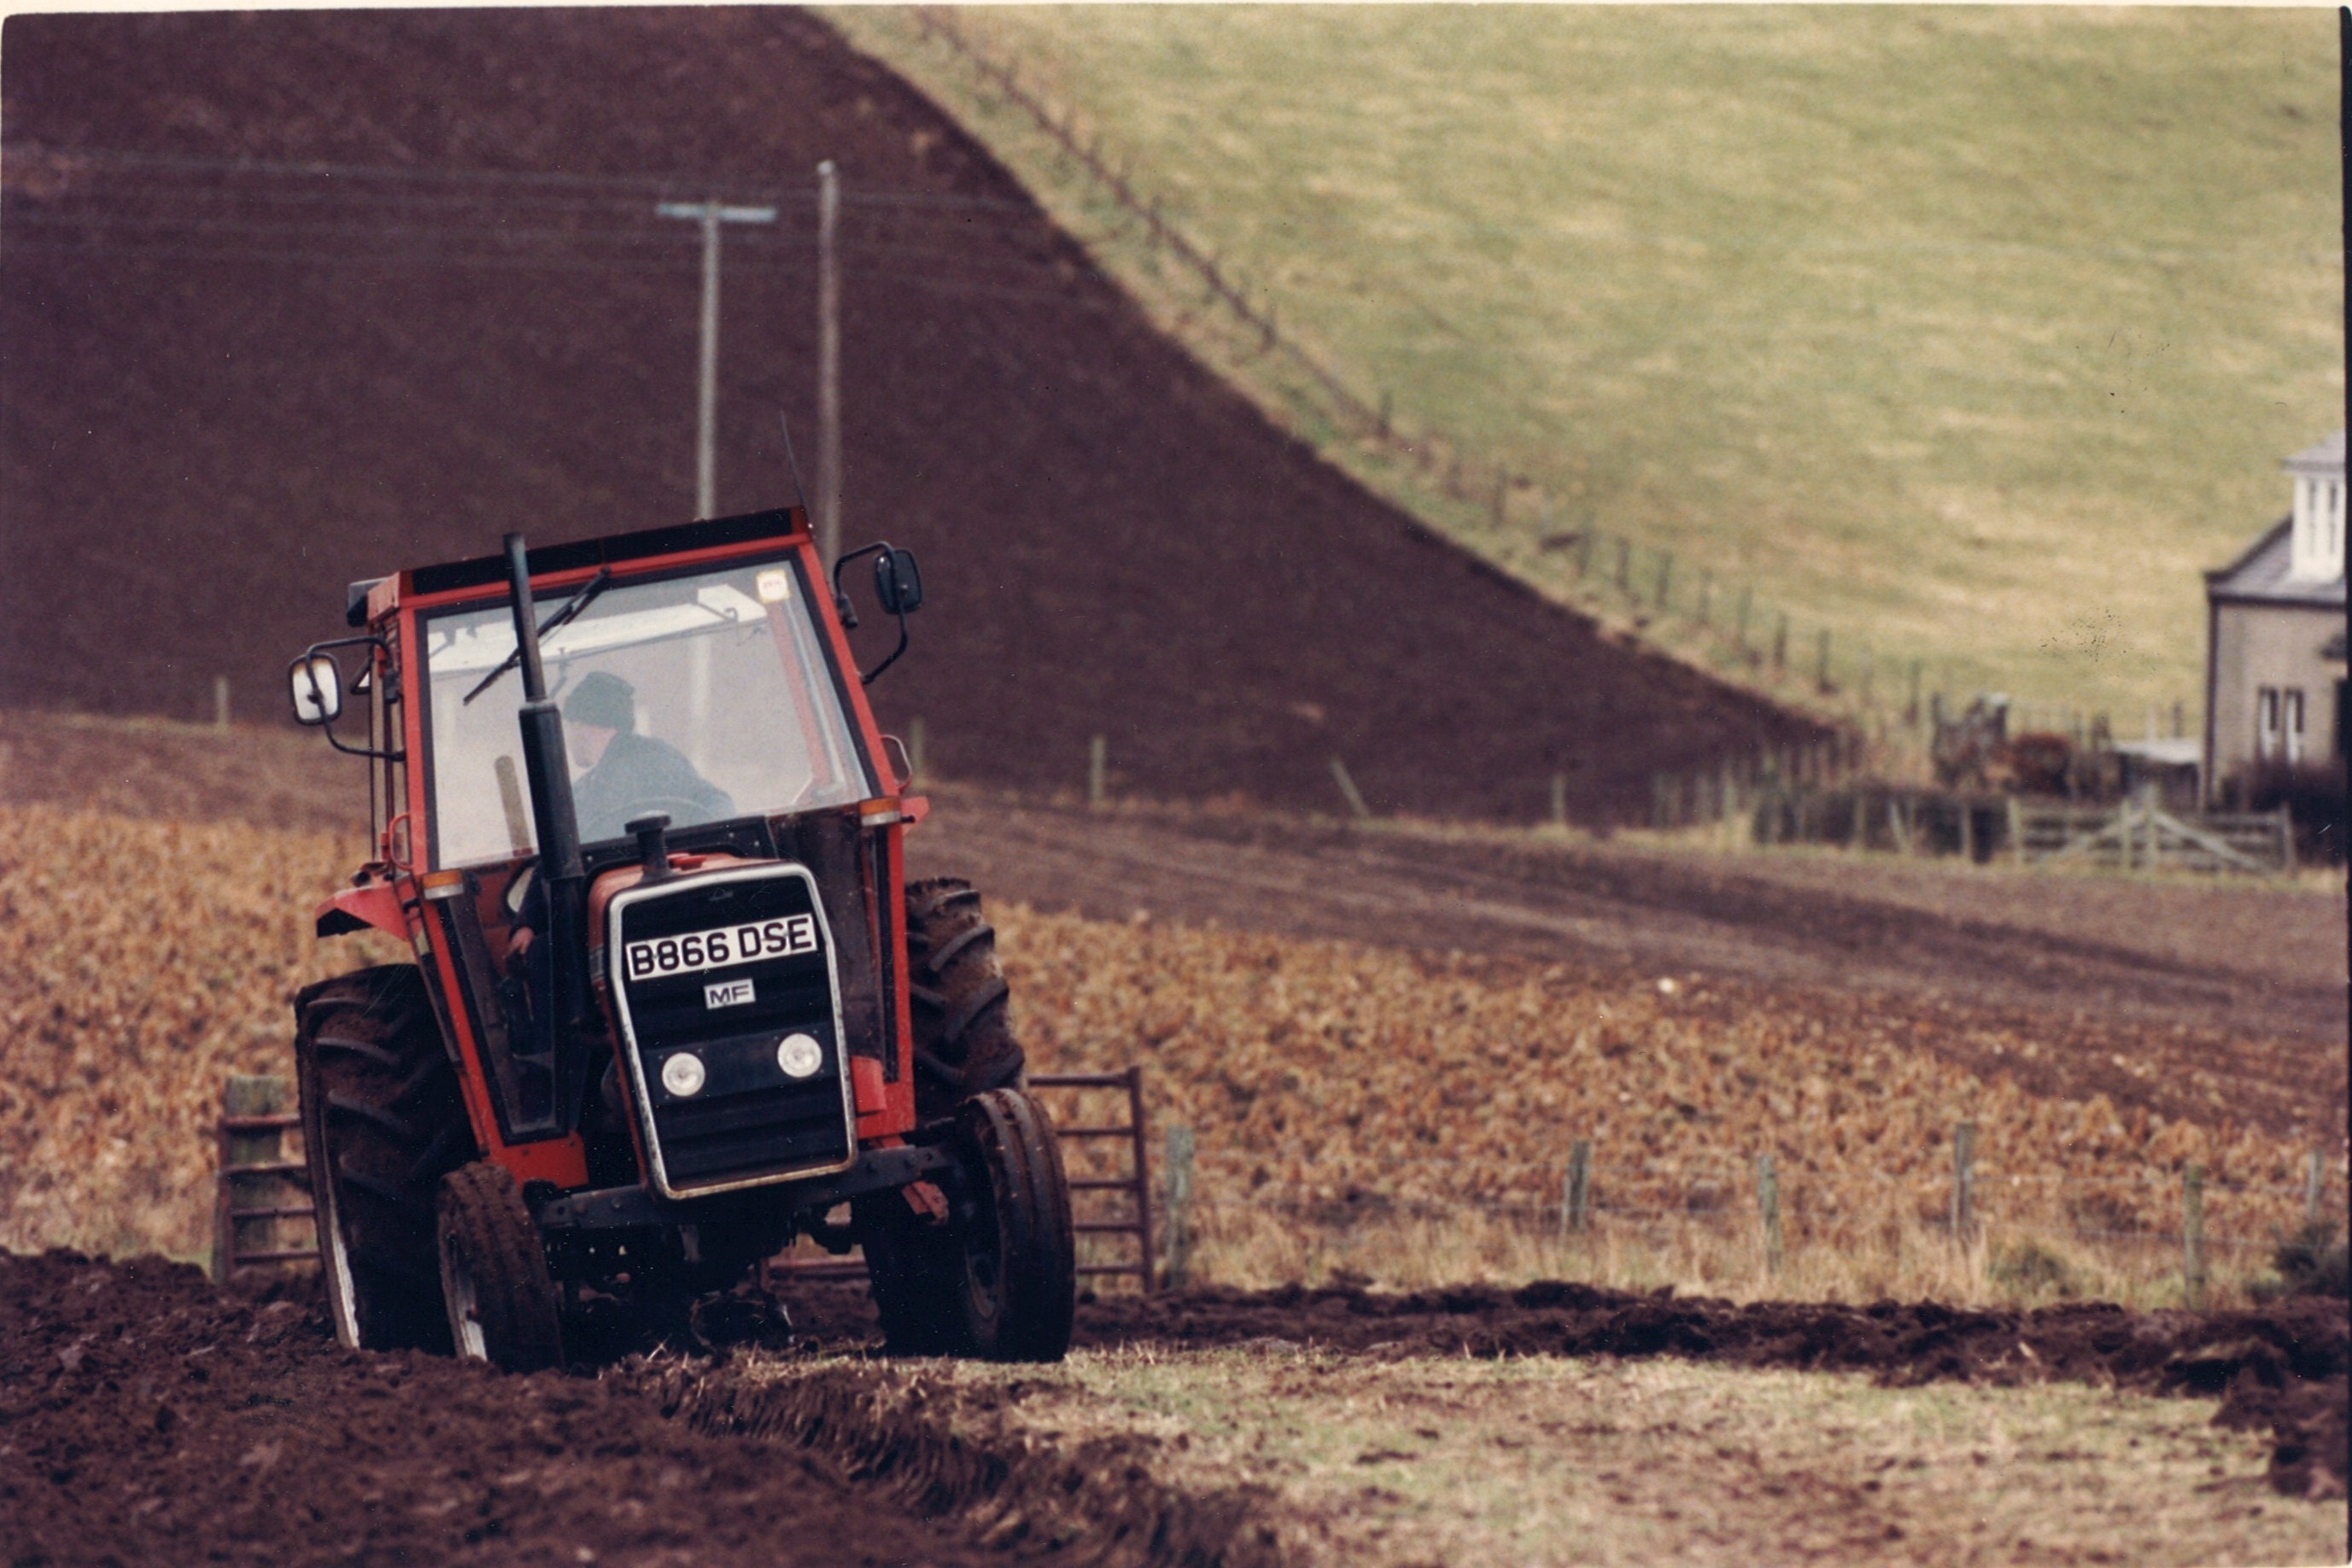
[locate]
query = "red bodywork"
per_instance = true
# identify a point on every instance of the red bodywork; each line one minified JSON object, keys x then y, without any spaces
{"x":391,"y":893}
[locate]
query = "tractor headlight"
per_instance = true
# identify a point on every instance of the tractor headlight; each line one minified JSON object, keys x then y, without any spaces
{"x":683,"y":1075}
{"x":799,"y":1055}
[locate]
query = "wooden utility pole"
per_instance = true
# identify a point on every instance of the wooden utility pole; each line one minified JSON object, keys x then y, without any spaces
{"x":828,"y":363}
{"x":710,"y":214}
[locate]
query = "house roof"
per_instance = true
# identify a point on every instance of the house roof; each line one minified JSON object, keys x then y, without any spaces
{"x":2326,"y":458}
{"x":2260,"y":575}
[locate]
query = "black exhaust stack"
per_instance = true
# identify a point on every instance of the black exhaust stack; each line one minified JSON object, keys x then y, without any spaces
{"x":549,"y":769}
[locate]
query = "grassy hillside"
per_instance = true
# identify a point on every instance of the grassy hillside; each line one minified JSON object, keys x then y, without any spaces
{"x":1971,"y":335}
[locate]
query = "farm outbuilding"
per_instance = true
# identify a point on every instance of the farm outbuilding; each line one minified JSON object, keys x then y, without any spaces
{"x":2274,"y":668}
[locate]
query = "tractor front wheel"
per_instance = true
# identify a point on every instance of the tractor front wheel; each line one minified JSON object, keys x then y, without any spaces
{"x":998,"y":1280}
{"x":503,"y":1303}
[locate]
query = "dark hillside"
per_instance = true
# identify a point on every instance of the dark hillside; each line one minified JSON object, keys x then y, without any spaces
{"x":231,"y":380}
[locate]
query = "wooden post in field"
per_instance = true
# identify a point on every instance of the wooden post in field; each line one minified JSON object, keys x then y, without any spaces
{"x":1781,"y":644}
{"x":1768,"y":1199}
{"x":918,"y":768}
{"x":1576,"y":1191}
{"x":1560,"y":800}
{"x":1911,"y":709}
{"x":1665,"y":578}
{"x":1179,"y":1251}
{"x":2315,"y":1188}
{"x":1098,"y":770}
{"x":2017,"y":830}
{"x":1968,"y":831}
{"x":220,"y":701}
{"x":1964,"y":1181}
{"x":1861,"y":818}
{"x":1822,"y":670}
{"x":1348,"y":790}
{"x":2192,"y":1235}
{"x":1625,"y":567}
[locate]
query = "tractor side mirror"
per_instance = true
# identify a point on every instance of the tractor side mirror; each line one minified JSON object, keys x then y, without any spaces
{"x":317,"y":689}
{"x":897,"y":582}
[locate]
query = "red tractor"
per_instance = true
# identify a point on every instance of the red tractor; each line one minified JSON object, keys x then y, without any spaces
{"x":674,"y":1002}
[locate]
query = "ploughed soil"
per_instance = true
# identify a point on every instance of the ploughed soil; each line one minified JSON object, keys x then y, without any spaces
{"x":227,"y":392}
{"x":145,"y":1416}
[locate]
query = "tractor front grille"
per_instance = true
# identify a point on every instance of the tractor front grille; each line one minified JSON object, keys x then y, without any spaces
{"x":734,"y":969}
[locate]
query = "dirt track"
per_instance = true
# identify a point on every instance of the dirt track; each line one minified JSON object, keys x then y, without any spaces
{"x":145,"y":1418}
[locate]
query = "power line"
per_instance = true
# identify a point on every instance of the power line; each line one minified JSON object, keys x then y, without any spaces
{"x":70,"y":158}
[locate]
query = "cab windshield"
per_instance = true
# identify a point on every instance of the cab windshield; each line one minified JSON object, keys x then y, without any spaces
{"x":705,"y":696}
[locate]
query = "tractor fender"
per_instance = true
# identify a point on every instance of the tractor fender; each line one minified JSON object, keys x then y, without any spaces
{"x":357,"y":909}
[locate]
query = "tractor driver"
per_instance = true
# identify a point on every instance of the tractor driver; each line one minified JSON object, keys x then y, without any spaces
{"x":628,"y":774}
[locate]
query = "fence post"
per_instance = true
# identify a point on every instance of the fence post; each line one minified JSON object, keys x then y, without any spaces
{"x":1560,"y":800}
{"x":1968,"y":831}
{"x":1665,"y":577}
{"x":1964,"y":1181}
{"x":2192,"y":1235}
{"x":1576,"y":1191}
{"x":1178,"y":1264}
{"x":249,"y":1095}
{"x":916,"y":769}
{"x":2287,"y":837}
{"x":220,"y":701}
{"x":1781,"y":644}
{"x":1348,"y":789}
{"x":2315,"y":1179}
{"x":1822,"y":670}
{"x":1625,"y":566}
{"x":1136,"y":1119}
{"x":1767,"y":1198}
{"x":1097,"y":768}
{"x":2017,"y":830}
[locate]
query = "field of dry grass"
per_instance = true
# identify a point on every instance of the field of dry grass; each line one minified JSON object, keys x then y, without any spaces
{"x":1357,"y":1109}
{"x":141,"y":963}
{"x":1408,"y":1118}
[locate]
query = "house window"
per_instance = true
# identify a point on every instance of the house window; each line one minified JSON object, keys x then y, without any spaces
{"x":2278,"y":724}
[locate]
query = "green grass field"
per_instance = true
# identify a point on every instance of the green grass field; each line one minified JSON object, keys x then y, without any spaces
{"x":1970,"y":335}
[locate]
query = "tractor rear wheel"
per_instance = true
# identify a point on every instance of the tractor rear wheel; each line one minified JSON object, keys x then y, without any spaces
{"x":999,"y":1279}
{"x":964,"y":1043}
{"x":501,"y":1301}
{"x":381,"y":1123}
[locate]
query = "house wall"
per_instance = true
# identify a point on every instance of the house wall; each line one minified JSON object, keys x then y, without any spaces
{"x":2256,"y":646}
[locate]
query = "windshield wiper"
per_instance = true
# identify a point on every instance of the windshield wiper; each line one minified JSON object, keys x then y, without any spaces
{"x":571,"y":606}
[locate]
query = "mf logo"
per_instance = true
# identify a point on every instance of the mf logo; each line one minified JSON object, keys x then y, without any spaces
{"x":727,"y":994}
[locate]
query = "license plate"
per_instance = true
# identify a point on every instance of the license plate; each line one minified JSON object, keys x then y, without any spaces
{"x":787,"y":936}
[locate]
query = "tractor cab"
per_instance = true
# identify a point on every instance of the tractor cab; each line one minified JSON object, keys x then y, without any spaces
{"x":637,"y":822}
